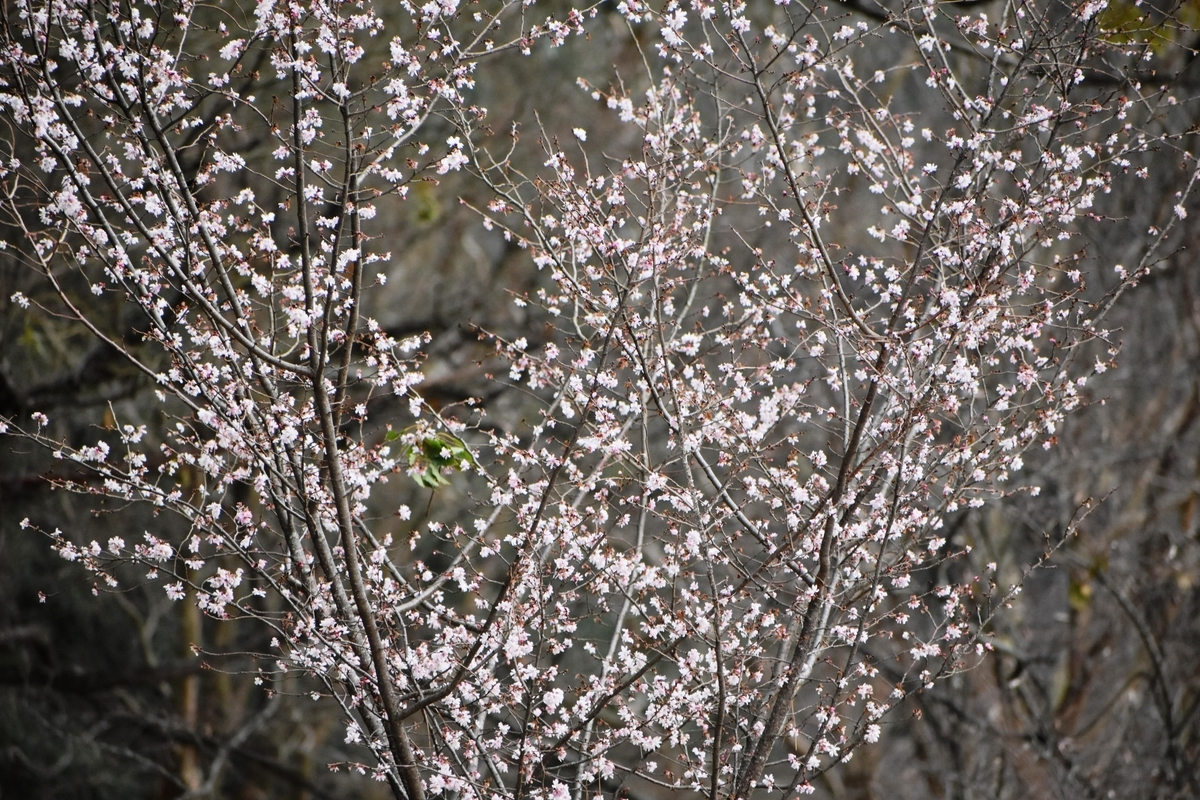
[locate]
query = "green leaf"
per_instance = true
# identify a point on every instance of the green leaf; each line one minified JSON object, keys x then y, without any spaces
{"x":434,"y":454}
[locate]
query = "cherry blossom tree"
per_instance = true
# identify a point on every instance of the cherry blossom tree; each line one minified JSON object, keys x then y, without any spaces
{"x":719,"y":546}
